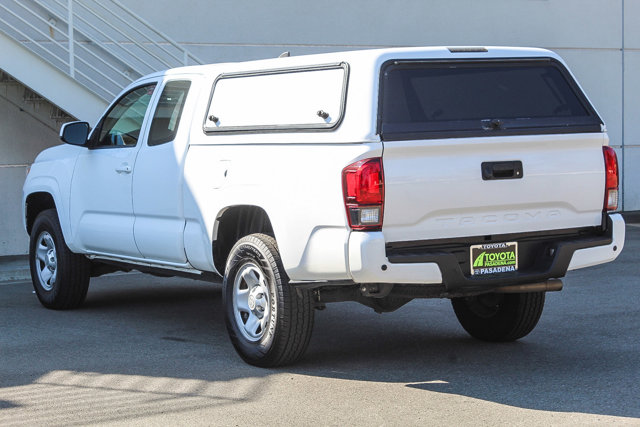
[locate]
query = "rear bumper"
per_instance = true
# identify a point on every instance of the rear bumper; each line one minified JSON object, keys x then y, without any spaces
{"x":543,"y":256}
{"x":588,"y":257}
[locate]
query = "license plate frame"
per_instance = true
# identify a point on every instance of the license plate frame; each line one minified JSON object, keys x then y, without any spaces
{"x":493,"y":258}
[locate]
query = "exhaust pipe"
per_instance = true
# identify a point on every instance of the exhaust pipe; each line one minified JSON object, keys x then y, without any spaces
{"x":550,"y":285}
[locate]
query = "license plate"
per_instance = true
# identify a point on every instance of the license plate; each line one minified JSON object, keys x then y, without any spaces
{"x":493,"y":258}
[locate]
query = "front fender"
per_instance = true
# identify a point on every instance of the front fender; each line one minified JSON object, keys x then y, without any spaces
{"x":53,"y":177}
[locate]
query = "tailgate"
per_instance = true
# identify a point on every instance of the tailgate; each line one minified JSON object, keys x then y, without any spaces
{"x":435,"y":189}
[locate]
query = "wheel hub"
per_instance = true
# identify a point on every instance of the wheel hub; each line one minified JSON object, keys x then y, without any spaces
{"x":46,"y":260}
{"x":251,"y":301}
{"x":257,"y":301}
{"x":51,"y":259}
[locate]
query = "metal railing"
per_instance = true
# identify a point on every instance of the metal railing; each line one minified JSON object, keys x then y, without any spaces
{"x":100,"y":43}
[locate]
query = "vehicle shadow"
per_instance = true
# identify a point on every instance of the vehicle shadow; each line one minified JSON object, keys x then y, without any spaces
{"x":547,"y":371}
{"x":570,"y":363}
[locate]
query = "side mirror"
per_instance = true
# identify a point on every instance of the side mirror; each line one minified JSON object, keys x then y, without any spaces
{"x":75,"y":133}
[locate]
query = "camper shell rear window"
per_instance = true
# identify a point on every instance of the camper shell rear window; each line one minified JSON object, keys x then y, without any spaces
{"x":462,"y":98}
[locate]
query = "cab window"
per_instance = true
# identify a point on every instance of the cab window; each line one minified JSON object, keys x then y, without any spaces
{"x":166,"y":118}
{"x":122,"y":124}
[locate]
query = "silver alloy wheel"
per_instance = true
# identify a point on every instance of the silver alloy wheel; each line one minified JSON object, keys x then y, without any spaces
{"x":251,"y":302}
{"x":46,"y":260}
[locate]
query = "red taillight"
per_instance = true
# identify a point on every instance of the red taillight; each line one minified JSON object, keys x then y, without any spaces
{"x":363,"y":189}
{"x":611,"y":181}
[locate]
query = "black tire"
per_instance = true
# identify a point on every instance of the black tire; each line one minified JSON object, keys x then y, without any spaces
{"x":499,"y":317}
{"x":60,"y":277}
{"x":287,"y":313}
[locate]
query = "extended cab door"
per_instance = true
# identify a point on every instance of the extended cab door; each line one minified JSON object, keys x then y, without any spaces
{"x":101,"y":209}
{"x":158,"y":178}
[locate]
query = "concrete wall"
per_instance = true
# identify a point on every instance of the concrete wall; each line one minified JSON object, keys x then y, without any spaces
{"x":631,"y":105}
{"x":589,"y":34}
{"x":25,"y":130}
{"x":600,"y":40}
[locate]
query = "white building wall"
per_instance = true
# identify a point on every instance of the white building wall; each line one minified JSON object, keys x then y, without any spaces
{"x":631,"y":104}
{"x":588,"y":34}
{"x":599,"y":39}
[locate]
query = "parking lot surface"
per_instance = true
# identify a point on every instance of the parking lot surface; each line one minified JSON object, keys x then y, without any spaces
{"x":146,"y":350}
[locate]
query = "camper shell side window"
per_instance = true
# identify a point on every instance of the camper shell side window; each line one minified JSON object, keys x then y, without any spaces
{"x":288,"y":99}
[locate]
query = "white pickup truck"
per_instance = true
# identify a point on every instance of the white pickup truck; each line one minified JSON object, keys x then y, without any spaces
{"x":477,"y":174}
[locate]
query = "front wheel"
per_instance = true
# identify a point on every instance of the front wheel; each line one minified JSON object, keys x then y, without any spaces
{"x":499,"y":317}
{"x":269,"y":322}
{"x":60,"y":277}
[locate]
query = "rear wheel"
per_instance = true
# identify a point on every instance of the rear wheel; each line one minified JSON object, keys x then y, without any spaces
{"x":269,"y":322}
{"x":499,"y":317}
{"x":60,"y":277}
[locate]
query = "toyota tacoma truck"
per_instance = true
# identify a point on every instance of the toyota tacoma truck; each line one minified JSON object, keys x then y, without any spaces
{"x":482,"y":175}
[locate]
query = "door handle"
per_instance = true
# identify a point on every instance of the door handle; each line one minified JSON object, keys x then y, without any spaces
{"x":124,"y":168}
{"x":502,"y":170}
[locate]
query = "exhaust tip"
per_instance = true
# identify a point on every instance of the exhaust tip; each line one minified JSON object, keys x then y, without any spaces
{"x":551,"y":285}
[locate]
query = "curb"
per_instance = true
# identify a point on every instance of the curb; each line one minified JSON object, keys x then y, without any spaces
{"x":15,"y":276}
{"x":14,"y":268}
{"x":631,"y":217}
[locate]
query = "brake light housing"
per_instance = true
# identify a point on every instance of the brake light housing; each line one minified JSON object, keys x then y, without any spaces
{"x":611,"y":180}
{"x":363,"y":190}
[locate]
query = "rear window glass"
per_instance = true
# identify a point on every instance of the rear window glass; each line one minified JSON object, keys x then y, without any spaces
{"x":448,"y":99}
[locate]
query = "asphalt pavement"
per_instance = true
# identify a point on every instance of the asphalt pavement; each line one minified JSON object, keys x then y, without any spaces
{"x":146,"y":350}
